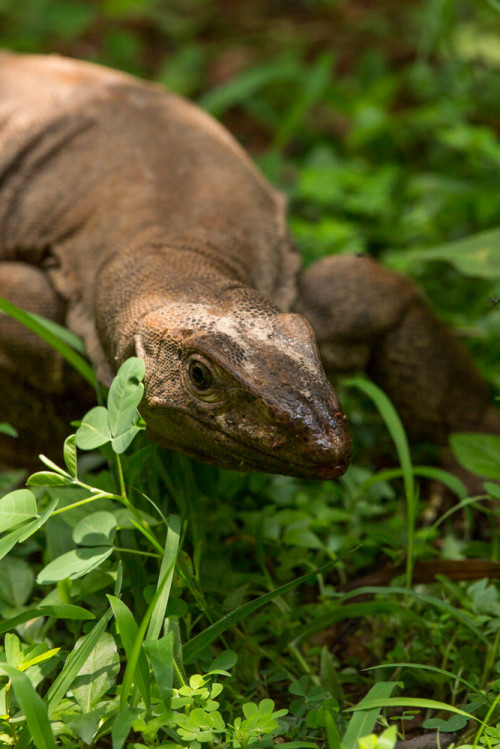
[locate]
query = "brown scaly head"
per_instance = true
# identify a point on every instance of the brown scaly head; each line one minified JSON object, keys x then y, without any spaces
{"x":243,"y":388}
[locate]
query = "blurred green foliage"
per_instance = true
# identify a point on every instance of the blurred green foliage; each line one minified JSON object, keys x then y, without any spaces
{"x":380,"y":120}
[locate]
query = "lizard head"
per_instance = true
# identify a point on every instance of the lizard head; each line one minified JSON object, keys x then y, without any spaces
{"x":245,"y":390}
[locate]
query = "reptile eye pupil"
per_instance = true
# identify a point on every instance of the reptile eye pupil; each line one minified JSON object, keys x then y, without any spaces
{"x":200,"y":376}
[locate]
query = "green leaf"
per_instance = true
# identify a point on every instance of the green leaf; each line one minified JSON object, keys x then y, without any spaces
{"x":33,"y":707}
{"x":58,"y":611}
{"x":454,"y":723}
{"x":367,"y":712}
{"x":16,"y":536}
{"x":161,"y":657}
{"x":48,"y":478}
{"x":478,"y":453}
{"x":122,"y":726}
{"x":74,"y":564}
{"x":74,"y":663}
{"x":94,"y":430}
{"x":98,"y":673}
{"x":478,"y":255}
{"x":493,"y":489}
{"x":85,"y":726}
{"x":69,"y":452}
{"x":16,"y":581}
{"x":129,"y":632}
{"x":96,"y":529}
{"x":225,"y":661}
{"x":7,"y":429}
{"x":16,"y":508}
{"x":120,"y":443}
{"x":25,"y":531}
{"x":124,"y":396}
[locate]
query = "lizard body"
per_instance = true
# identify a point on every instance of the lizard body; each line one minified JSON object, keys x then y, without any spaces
{"x":139,"y":222}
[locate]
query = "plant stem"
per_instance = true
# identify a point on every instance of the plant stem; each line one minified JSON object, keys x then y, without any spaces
{"x":120,"y":478}
{"x":140,"y":553}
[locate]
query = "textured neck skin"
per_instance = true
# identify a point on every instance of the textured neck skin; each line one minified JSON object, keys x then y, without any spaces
{"x":167,"y":243}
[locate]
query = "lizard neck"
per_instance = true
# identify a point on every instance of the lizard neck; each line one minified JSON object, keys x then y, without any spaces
{"x":152,"y":276}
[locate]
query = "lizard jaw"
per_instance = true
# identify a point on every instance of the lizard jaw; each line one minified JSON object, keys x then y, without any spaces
{"x":235,"y":454}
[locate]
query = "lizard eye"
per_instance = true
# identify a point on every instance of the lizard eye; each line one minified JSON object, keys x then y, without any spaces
{"x":200,"y":376}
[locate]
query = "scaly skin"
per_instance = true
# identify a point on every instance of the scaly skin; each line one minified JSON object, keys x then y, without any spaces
{"x":164,"y":241}
{"x":138,"y":221}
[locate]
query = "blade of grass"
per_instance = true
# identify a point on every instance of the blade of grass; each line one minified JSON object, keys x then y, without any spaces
{"x":367,"y":712}
{"x":129,"y":630}
{"x":428,"y":668}
{"x":198,"y":643}
{"x":414,"y":702}
{"x":397,"y":432}
{"x":33,"y":707}
{"x":49,"y":334}
{"x":137,"y":647}
{"x":167,"y":563}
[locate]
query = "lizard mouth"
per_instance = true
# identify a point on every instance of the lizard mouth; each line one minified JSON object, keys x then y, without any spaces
{"x":238,"y":455}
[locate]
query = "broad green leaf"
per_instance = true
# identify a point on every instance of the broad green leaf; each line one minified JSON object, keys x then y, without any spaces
{"x":96,"y":529}
{"x":94,"y":430}
{"x":478,"y":255}
{"x":122,"y":726}
{"x":34,"y":525}
{"x":17,"y":507}
{"x":98,"y":673}
{"x":16,"y":581}
{"x":120,"y":443}
{"x":16,"y":536}
{"x":225,"y":661}
{"x":478,"y":453}
{"x":19,"y":535}
{"x":362,"y":722}
{"x":33,"y":707}
{"x":48,"y":478}
{"x":161,"y":657}
{"x":124,"y":396}
{"x":69,"y":452}
{"x":74,"y":564}
{"x":74,"y":663}
{"x":129,"y":632}
{"x":86,"y":725}
{"x":58,"y":611}
{"x":493,"y":489}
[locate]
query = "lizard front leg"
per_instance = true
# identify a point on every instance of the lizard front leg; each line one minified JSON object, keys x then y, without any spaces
{"x":369,"y":318}
{"x":32,"y":376}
